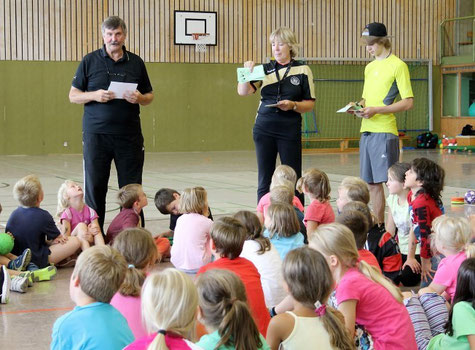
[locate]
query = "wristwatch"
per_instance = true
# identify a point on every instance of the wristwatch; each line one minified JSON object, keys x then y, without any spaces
{"x":295,"y":106}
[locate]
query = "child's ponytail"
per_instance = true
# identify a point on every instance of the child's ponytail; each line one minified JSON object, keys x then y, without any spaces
{"x":223,"y":303}
{"x":139,"y":250}
{"x":334,"y":324}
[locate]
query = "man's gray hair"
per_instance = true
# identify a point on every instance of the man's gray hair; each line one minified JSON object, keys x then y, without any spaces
{"x":113,"y":22}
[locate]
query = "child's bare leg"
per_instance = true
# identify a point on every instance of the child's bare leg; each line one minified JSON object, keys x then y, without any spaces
{"x":4,"y":260}
{"x":11,"y":256}
{"x":61,"y":251}
{"x":82,"y":233}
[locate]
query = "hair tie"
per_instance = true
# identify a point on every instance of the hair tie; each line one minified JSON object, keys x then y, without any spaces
{"x":131,"y":266}
{"x":162,"y":331}
{"x":320,"y":308}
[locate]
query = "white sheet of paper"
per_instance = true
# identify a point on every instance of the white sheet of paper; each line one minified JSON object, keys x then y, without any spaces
{"x":119,"y":88}
{"x":349,"y":107}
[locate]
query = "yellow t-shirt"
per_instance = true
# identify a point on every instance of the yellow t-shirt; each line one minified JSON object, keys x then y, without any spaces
{"x":383,"y":81}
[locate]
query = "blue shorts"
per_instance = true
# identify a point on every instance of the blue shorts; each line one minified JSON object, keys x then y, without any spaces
{"x":378,"y":151}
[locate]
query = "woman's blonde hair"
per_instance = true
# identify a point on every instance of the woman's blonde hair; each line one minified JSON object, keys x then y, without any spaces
{"x":223,"y":303}
{"x":315,"y":182}
{"x":63,"y":200}
{"x":283,"y":220}
{"x":193,"y":200}
{"x":282,"y":174}
{"x":287,"y":36}
{"x":356,"y":188}
{"x":336,"y":239}
{"x":169,"y":303}
{"x":309,"y":280}
{"x":454,"y":233}
{"x":253,"y":227}
{"x":139,"y":250}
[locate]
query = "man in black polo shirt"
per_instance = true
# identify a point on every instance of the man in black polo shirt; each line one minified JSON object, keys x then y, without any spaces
{"x":111,"y":126}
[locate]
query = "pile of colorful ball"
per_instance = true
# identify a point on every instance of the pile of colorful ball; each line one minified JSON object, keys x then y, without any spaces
{"x":447,"y":141}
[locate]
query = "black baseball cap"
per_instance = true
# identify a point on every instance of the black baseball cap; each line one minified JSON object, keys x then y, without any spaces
{"x":372,"y":32}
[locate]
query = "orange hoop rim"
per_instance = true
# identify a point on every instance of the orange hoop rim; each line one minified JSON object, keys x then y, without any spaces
{"x":196,"y":36}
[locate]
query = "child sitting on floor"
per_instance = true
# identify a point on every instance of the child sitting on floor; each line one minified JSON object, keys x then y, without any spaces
{"x":224,"y":310}
{"x":315,"y":184}
{"x":357,"y":222}
{"x":190,"y":249}
{"x":132,"y":200}
{"x":138,"y":248}
{"x":75,"y":217}
{"x":283,"y":175}
{"x":227,"y":239}
{"x":262,"y":253}
{"x":363,"y":295}
{"x":282,"y":228}
{"x":425,"y":179}
{"x":169,"y":307}
{"x":399,"y":220}
{"x":94,"y":323}
{"x":311,"y":324}
{"x":34,"y":228}
{"x":167,"y":202}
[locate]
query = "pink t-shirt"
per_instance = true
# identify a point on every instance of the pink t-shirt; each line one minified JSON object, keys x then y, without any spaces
{"x":130,"y":308}
{"x":264,"y":203}
{"x":173,"y":343}
{"x":87,"y":215}
{"x":322,"y":213}
{"x":384,"y":317}
{"x":190,"y":249}
{"x":446,"y":274}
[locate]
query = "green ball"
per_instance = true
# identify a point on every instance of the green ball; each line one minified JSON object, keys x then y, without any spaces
{"x":6,"y":243}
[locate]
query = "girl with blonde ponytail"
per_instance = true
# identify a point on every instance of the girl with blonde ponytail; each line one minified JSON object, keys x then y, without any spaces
{"x":363,"y":294}
{"x":224,"y":311}
{"x":138,"y":248}
{"x":169,"y":308}
{"x":311,"y":324}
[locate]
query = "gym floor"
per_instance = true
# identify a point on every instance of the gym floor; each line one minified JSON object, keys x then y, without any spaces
{"x":230,"y":179}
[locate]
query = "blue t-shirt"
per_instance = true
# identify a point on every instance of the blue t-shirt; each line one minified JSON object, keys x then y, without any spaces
{"x":93,"y":326}
{"x":31,"y":227}
{"x":285,"y":244}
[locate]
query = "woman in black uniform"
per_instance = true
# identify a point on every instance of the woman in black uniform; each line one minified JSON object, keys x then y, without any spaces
{"x":288,"y":84}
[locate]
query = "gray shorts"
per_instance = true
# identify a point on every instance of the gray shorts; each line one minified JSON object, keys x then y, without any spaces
{"x":378,"y":151}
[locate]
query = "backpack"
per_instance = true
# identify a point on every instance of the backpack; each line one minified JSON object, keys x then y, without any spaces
{"x":427,"y":140}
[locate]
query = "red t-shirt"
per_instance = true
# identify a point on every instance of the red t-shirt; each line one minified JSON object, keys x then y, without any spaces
{"x":322,"y":213}
{"x":369,"y":257}
{"x":127,"y":218}
{"x":251,"y":278}
{"x":423,"y":210}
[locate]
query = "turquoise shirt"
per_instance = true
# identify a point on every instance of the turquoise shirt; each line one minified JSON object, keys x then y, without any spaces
{"x":209,"y":342}
{"x":285,"y":244}
{"x":463,"y":323}
{"x":93,"y":326}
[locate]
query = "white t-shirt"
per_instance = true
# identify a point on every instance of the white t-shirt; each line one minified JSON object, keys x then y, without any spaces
{"x":402,"y":220}
{"x":269,"y":266}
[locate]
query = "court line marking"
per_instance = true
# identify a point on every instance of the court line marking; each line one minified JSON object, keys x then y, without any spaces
{"x":35,"y":310}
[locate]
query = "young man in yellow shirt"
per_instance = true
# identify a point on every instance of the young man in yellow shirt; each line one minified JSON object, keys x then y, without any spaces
{"x":385,"y":77}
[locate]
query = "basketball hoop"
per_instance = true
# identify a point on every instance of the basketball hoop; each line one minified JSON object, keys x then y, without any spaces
{"x":197,"y":37}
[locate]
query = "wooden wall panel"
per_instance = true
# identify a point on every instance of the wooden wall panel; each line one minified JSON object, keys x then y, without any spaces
{"x":65,"y":30}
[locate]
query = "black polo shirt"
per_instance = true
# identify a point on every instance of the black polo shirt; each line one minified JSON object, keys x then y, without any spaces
{"x":296,"y":86}
{"x":96,"y":71}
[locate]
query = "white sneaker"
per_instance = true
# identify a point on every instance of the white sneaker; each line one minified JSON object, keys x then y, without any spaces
{"x":19,"y":284}
{"x":4,"y":285}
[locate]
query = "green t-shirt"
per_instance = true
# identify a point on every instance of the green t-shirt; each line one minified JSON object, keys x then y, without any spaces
{"x":383,"y":81}
{"x":209,"y":342}
{"x":463,"y":321}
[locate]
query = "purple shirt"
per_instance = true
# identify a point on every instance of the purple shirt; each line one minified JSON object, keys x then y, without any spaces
{"x":87,"y":215}
{"x":173,"y":343}
{"x":127,"y":218}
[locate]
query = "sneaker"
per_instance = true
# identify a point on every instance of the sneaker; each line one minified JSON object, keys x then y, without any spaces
{"x":45,"y":274}
{"x":21,"y":262}
{"x":4,"y":285}
{"x":29,"y":276}
{"x":19,"y":284}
